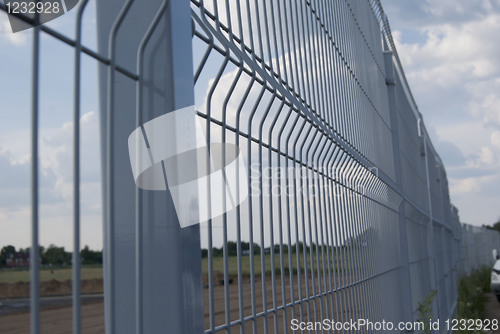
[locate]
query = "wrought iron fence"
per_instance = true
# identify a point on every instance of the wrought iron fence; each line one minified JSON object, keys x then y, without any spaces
{"x":348,"y":213}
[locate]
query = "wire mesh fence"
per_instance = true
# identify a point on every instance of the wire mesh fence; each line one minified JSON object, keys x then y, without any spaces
{"x":347,"y":214}
{"x":477,"y":253}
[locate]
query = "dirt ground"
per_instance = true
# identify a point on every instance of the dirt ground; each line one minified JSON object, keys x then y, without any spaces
{"x":492,"y":309}
{"x":56,"y":321}
{"x":48,"y":288}
{"x":59,"y":320}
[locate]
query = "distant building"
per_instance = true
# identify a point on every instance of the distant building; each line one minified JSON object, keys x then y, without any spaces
{"x":19,"y":259}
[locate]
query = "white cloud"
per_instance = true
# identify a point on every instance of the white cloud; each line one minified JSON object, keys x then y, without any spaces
{"x":467,"y":185}
{"x":6,"y":34}
{"x":57,"y":153}
{"x":56,"y":186}
{"x":477,"y":198}
{"x":452,"y":53}
{"x":451,"y":57}
{"x":495,"y":139}
{"x":468,"y":135}
{"x":458,"y":10}
{"x":486,"y":157}
{"x":485,"y":102}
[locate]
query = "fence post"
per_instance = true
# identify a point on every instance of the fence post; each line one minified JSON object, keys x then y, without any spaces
{"x":154,"y":287}
{"x":406,"y":296}
{"x":430,"y":232}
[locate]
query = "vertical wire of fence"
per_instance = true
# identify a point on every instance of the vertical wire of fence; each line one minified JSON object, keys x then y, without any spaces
{"x":348,"y":214}
{"x":309,"y":46}
{"x":35,"y":256}
{"x":368,"y":219}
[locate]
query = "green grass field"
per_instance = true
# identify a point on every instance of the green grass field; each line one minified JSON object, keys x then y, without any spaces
{"x":218,"y":263}
{"x":46,"y":274}
{"x":90,"y":272}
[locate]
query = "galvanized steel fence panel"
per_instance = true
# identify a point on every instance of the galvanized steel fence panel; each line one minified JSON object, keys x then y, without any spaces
{"x":348,"y":214}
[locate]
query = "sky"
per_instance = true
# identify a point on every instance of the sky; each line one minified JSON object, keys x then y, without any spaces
{"x":448,"y":50}
{"x":56,"y":105}
{"x":451,"y":56}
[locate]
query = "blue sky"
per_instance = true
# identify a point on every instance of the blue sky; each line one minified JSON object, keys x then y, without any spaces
{"x":448,"y":50}
{"x":451,"y":57}
{"x":56,"y":94}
